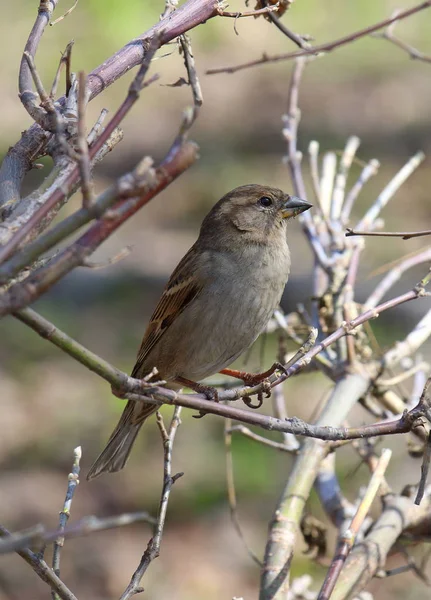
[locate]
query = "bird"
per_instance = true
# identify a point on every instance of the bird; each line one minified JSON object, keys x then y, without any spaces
{"x":217,"y":301}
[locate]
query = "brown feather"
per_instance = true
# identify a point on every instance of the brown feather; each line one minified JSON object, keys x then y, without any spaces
{"x":181,"y":289}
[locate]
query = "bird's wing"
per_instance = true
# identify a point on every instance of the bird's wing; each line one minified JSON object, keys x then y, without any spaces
{"x":182,"y":288}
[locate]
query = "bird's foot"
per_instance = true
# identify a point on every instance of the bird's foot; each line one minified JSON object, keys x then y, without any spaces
{"x":210,"y":392}
{"x":266,"y":389}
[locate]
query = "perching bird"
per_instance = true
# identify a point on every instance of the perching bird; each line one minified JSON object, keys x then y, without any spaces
{"x":216,"y":303}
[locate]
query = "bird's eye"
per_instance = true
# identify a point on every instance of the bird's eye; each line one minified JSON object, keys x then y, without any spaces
{"x":265,"y":201}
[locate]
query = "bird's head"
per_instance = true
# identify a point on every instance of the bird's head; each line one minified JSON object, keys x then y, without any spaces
{"x":257,"y":211}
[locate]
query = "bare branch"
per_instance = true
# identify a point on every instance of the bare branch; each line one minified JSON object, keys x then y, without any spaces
{"x":388,"y":35}
{"x":189,"y":62}
{"x":328,"y":47}
{"x":66,"y":14}
{"x":406,"y":235}
{"x":26,"y":93}
{"x":65,"y":513}
{"x":348,"y":538}
{"x":40,"y":535}
{"x":424,"y":471}
{"x":230,"y":482}
{"x":60,"y":193}
{"x":399,"y":514}
{"x":84,"y":155}
{"x":153,"y":547}
{"x":41,"y":568}
{"x":177,"y":161}
{"x":65,"y":61}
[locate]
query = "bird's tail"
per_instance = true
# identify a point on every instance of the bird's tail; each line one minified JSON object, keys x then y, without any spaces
{"x":114,"y":457}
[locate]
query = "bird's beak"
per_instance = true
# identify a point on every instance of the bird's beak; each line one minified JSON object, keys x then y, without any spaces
{"x":294,"y":207}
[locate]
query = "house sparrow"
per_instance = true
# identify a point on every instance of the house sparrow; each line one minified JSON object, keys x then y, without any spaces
{"x":216,"y":303}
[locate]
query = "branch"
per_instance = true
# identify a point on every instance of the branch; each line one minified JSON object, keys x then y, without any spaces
{"x":153,"y":547}
{"x":348,"y":538}
{"x":17,"y":162}
{"x":142,"y":391}
{"x":394,"y":275}
{"x":274,"y":18}
{"x":284,"y":527}
{"x":181,"y":156}
{"x":60,"y":192}
{"x":43,"y":571}
{"x":230,"y":484}
{"x":28,"y":97}
{"x":388,"y":35}
{"x":388,"y":192}
{"x":38,"y":534}
{"x":328,"y":47}
{"x":33,"y":142}
{"x":402,"y":234}
{"x":370,"y":556}
{"x":73,"y":481}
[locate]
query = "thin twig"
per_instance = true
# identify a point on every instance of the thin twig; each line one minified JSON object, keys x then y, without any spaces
{"x":189,"y":62}
{"x":313,"y":154}
{"x":64,"y":62}
{"x":347,"y":540}
{"x":59,"y":193}
{"x":231,"y":492}
{"x":153,"y":547}
{"x":427,"y":452}
{"x":366,"y":559}
{"x":245,"y":431}
{"x":41,"y":568}
{"x":406,"y":235}
{"x":390,"y":189}
{"x":65,"y":513}
{"x":65,"y":14}
{"x":27,"y":71}
{"x":388,"y":35}
{"x":180,"y":158}
{"x":84,"y":163}
{"x":273,"y":17}
{"x":424,"y":471}
{"x":327,"y":47}
{"x":395,"y":275}
{"x":345,"y":163}
{"x":119,"y":256}
{"x":247,"y":13}
{"x":368,"y":171}
{"x":88,"y":525}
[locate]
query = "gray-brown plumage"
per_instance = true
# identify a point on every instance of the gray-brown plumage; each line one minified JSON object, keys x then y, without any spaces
{"x":216,"y":303}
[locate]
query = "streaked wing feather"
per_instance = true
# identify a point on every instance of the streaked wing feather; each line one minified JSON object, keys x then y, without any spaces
{"x":182,"y":288}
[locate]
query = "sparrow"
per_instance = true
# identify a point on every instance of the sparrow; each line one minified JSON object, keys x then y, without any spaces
{"x":217,"y":301}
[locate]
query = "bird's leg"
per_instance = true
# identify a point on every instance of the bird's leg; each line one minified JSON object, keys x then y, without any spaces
{"x":253,"y":379}
{"x":209,"y":391}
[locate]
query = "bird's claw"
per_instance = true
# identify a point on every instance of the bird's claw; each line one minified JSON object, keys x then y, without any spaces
{"x":266,"y":389}
{"x":211,"y":393}
{"x":248,"y":401}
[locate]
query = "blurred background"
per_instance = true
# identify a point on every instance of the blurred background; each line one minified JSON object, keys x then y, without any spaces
{"x":50,"y":404}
